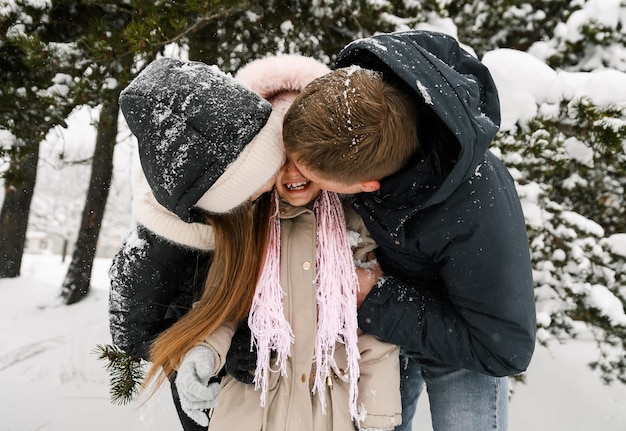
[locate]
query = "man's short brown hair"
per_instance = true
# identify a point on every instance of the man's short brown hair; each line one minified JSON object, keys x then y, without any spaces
{"x":351,"y":126}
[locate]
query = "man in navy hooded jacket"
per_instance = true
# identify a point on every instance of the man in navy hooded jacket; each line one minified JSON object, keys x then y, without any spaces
{"x":457,"y":290}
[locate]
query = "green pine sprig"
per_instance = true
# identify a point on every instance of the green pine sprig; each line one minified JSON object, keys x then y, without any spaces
{"x":126,"y":373}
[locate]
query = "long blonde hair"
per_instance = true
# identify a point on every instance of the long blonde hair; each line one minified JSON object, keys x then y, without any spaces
{"x":240,"y":242}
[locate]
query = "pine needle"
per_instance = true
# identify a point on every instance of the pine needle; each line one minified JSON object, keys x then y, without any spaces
{"x":126,"y":373}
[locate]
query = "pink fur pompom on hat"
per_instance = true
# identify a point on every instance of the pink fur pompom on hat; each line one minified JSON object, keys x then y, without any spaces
{"x":273,"y":75}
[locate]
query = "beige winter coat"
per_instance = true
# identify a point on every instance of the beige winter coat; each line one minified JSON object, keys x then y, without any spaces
{"x":290,"y":405}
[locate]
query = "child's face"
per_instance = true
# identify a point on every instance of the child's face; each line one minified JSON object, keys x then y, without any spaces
{"x":293,"y":187}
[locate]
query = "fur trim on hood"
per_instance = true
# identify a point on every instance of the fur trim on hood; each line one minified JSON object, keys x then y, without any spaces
{"x":273,"y":75}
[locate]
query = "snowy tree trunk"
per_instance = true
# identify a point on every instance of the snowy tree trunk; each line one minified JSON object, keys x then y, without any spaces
{"x":19,"y":185}
{"x":77,"y":280}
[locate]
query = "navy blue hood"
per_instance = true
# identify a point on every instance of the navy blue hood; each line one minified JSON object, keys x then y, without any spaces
{"x":452,"y":242}
{"x":453,"y":83}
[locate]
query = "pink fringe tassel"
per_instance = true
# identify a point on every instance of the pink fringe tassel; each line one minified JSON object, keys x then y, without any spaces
{"x":337,"y":285}
{"x":270,"y":329}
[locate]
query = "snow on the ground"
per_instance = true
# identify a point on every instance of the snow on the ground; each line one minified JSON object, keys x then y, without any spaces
{"x":51,"y":381}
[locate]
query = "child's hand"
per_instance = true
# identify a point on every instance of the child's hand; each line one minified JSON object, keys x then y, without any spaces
{"x":192,"y":383}
{"x":368,"y":273}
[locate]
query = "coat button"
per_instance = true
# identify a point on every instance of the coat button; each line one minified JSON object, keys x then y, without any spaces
{"x":306,"y":266}
{"x":368,"y":320}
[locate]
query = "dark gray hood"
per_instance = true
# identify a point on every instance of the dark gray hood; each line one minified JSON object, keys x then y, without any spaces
{"x":191,"y":122}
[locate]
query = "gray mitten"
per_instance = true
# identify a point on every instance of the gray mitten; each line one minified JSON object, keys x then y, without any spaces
{"x":192,"y":383}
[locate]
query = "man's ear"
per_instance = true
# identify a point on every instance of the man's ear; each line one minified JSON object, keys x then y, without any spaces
{"x":370,"y":185}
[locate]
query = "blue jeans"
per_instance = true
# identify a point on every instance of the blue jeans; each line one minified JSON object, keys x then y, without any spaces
{"x":460,"y":400}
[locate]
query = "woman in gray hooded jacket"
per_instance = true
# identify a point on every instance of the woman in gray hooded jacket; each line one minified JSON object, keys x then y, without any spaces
{"x":141,"y":286}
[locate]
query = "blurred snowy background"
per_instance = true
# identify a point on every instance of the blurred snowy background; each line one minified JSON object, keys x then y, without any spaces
{"x":563,"y":100}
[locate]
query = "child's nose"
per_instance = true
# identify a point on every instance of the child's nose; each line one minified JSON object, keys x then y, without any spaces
{"x":290,"y":168}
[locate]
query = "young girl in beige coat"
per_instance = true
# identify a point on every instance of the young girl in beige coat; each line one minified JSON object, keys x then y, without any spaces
{"x":292,"y":402}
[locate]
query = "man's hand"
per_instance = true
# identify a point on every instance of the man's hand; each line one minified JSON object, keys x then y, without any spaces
{"x":368,"y":273}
